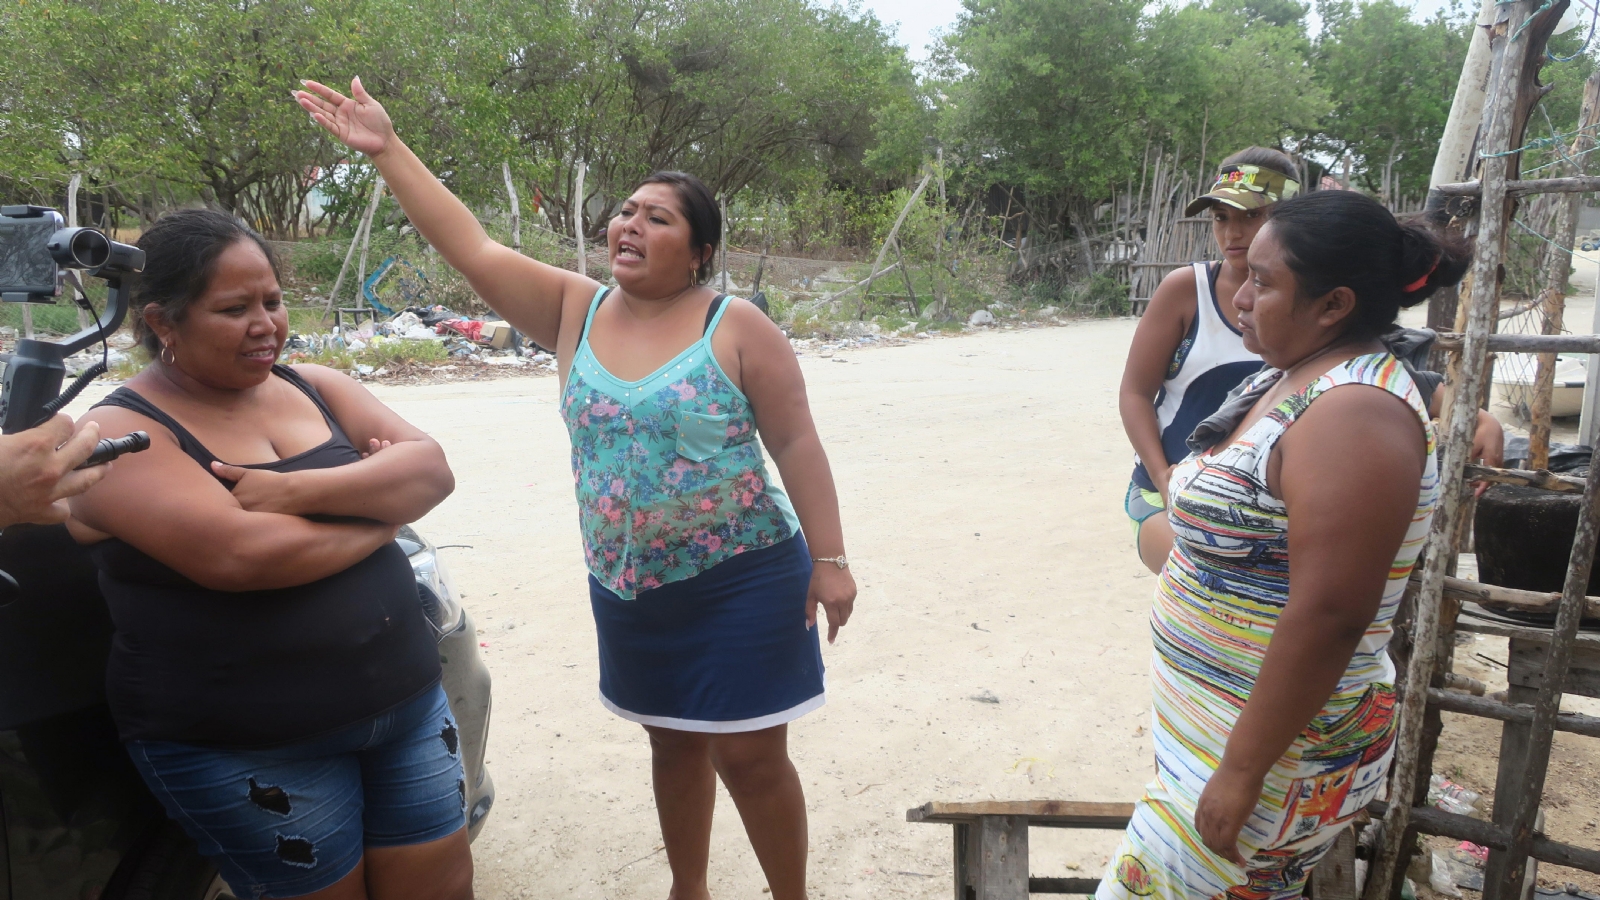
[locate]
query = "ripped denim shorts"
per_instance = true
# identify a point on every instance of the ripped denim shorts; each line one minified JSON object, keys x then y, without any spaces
{"x":296,"y":819}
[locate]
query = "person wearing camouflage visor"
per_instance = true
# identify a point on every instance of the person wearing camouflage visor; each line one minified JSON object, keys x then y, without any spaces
{"x":1187,"y":352}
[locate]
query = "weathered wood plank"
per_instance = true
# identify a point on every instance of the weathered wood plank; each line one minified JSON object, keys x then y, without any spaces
{"x":1582,"y":184}
{"x":1522,"y":632}
{"x":1529,"y":792}
{"x":1063,"y":885}
{"x":963,"y":871}
{"x":1528,"y":662}
{"x":999,"y":866}
{"x":1465,"y":591}
{"x":1499,"y":136}
{"x":1040,"y":813}
{"x":1334,"y":878}
{"x":1485,"y":708}
{"x":1536,"y":478}
{"x":1527,"y":343}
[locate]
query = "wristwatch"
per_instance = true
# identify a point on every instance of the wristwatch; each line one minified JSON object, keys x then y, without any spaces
{"x":839,"y":560}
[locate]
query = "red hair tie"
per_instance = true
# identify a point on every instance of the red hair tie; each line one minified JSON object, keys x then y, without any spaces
{"x":1422,"y":282}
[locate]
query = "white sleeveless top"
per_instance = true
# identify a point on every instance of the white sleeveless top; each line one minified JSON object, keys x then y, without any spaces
{"x":1209,"y":362}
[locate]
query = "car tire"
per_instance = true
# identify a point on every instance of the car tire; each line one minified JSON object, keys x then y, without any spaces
{"x":169,"y":867}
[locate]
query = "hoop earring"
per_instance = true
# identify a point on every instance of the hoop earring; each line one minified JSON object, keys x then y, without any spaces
{"x":167,"y":356}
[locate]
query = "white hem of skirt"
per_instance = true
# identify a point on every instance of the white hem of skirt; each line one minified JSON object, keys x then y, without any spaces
{"x":728,"y":727}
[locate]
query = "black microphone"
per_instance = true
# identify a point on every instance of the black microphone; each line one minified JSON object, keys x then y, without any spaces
{"x":111,"y":448}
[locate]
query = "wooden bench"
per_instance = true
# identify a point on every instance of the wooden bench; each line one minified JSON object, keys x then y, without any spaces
{"x":991,"y":847}
{"x":991,"y":842}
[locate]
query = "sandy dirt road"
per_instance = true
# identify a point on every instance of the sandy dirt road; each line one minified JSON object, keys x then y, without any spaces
{"x":982,"y":480}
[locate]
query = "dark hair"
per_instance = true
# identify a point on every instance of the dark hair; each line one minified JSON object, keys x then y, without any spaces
{"x":1336,"y":239}
{"x":180,"y":256}
{"x":700,"y":208}
{"x":1267,"y":158}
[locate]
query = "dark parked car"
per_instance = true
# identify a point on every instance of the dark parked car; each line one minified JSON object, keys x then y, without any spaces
{"x":77,"y":821}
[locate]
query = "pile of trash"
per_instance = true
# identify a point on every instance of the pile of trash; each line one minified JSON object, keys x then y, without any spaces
{"x":463,"y":342}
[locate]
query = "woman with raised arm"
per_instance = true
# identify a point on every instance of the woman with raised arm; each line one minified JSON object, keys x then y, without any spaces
{"x":1274,"y":694}
{"x":273,"y":674}
{"x":701,"y":580}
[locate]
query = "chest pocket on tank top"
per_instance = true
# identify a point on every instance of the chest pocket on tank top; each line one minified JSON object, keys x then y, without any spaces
{"x":701,"y":436}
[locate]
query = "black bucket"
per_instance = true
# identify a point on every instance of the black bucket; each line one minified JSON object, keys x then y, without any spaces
{"x":1523,"y":537}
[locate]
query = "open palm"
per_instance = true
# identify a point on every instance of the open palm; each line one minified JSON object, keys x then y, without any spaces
{"x":358,"y":121}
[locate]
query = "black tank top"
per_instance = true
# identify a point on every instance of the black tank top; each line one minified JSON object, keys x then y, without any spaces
{"x":256,"y":669}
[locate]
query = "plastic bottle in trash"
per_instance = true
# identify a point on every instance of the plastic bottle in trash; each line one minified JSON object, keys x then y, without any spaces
{"x":1451,"y":797}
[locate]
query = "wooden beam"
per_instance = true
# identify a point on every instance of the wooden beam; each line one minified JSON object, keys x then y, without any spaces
{"x":1066,"y":886}
{"x":1499,"y":137}
{"x":1528,"y":343}
{"x":1577,"y":184}
{"x":1042,"y":813}
{"x":1485,"y":708}
{"x":997,"y":858}
{"x":1549,"y":481}
{"x":1466,"y":591}
{"x":1530,"y":791}
{"x":1485,"y":834}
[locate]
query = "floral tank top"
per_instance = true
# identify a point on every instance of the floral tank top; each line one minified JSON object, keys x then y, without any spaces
{"x":669,"y":475}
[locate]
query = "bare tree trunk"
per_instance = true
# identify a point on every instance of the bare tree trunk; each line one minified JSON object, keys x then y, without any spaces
{"x":577,"y":220}
{"x":516,"y":209}
{"x":361,"y":230}
{"x":74,"y":184}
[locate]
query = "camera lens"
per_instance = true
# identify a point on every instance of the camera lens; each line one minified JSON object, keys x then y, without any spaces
{"x":80,"y":248}
{"x":90,"y":248}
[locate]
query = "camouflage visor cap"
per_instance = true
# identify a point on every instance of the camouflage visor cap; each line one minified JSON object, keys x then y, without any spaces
{"x":1245,"y":187}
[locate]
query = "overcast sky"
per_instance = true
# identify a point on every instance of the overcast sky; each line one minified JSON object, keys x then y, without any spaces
{"x":919,"y":19}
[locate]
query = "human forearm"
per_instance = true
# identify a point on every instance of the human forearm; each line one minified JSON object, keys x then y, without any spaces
{"x":398,"y":485}
{"x":809,"y":481}
{"x":266,"y":551}
{"x":1310,"y":650}
{"x":438,"y":215}
{"x":1139,"y":422}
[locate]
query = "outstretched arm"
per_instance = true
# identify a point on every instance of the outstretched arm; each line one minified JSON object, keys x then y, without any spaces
{"x":530,"y":295}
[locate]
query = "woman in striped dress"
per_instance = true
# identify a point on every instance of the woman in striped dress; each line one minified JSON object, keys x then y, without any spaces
{"x":1274,"y":698}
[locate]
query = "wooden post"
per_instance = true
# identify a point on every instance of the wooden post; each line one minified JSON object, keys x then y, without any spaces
{"x":1499,"y":136}
{"x":723,"y":243}
{"x":74,"y":184}
{"x":963,"y":871}
{"x":577,"y":220}
{"x":366,"y":242}
{"x":906,"y":273}
{"x":516,"y":210}
{"x":355,"y":241}
{"x":1558,"y":266}
{"x":1541,"y":732}
{"x":1453,"y":160}
{"x":997,"y":858}
{"x":894,"y":230}
{"x":1335,"y":877}
{"x":938,"y":246}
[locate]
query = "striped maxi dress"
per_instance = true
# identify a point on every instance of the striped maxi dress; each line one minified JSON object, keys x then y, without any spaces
{"x":1216,"y":605}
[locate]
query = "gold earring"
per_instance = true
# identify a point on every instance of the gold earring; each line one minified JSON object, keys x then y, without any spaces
{"x":167,"y":356}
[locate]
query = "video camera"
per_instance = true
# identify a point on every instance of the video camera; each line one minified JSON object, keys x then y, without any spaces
{"x":36,"y":249}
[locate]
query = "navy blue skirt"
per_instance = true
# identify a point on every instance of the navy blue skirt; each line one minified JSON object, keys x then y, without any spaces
{"x":725,"y":651}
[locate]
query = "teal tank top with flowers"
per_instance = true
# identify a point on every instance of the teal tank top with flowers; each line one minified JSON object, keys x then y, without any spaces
{"x":669,"y":474}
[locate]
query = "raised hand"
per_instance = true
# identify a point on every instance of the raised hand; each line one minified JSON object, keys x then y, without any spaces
{"x":358,"y":121}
